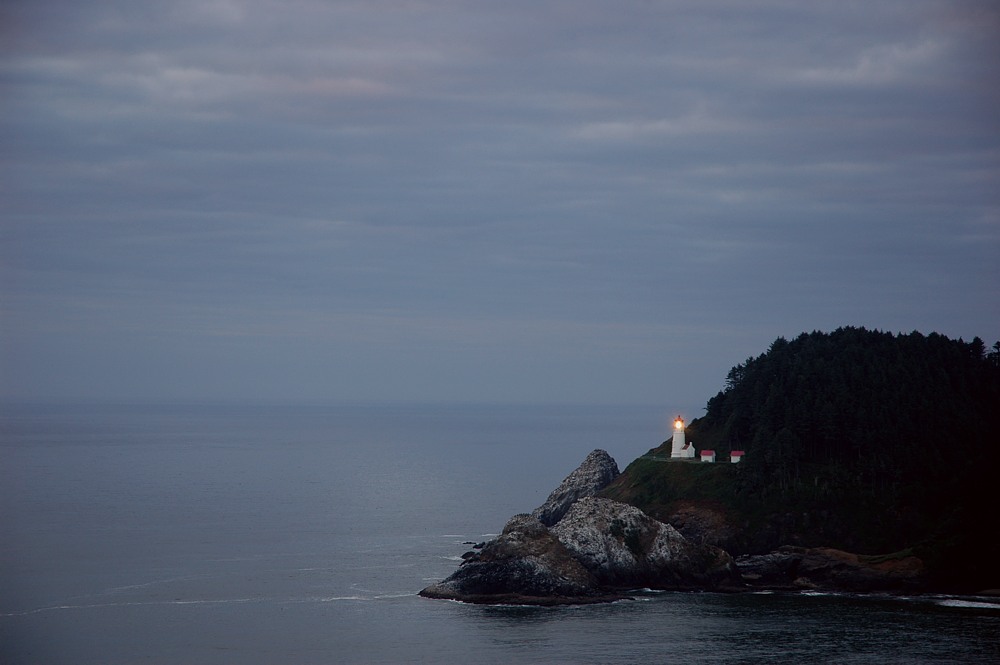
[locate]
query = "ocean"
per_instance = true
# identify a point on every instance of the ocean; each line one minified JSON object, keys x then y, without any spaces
{"x":301,"y":534}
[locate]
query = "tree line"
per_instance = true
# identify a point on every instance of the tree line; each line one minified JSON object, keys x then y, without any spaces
{"x":909,"y":423}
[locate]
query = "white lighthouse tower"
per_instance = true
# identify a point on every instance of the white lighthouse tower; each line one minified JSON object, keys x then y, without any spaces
{"x":679,"y":448}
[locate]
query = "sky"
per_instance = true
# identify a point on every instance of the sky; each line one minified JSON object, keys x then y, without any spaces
{"x":570,"y":201}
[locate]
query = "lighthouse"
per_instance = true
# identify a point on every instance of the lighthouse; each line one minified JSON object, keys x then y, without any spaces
{"x":679,"y":448}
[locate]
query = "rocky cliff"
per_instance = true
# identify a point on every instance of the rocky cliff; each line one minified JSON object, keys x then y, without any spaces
{"x":827,"y":568}
{"x":596,"y":472}
{"x":625,"y":548}
{"x":525,"y":565}
{"x":596,"y":551}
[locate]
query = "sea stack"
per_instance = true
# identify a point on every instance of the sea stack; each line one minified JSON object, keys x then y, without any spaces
{"x":596,"y":472}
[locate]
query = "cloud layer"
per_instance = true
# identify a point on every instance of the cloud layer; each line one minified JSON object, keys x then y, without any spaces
{"x":559,"y":201}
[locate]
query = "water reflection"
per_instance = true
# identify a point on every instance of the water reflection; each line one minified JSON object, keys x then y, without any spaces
{"x":745,"y":628}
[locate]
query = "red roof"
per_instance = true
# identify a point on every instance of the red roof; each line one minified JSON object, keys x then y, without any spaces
{"x":736,"y":453}
{"x":708,"y":452}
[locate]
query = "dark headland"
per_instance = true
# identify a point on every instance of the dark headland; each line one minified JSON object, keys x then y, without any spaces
{"x":867,"y":465}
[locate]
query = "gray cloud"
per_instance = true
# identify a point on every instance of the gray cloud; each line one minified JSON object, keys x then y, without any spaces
{"x":561,"y":201}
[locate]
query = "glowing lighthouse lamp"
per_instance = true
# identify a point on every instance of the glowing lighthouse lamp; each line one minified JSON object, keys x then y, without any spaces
{"x":679,"y":448}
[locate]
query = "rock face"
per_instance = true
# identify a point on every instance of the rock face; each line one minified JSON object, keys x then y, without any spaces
{"x":622,"y":547}
{"x":594,"y":474}
{"x":599,"y":550}
{"x":827,"y":568}
{"x":524,"y":565}
{"x":701,"y":523}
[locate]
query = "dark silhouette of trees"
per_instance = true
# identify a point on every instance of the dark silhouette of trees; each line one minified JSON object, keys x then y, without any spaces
{"x":904,"y":424}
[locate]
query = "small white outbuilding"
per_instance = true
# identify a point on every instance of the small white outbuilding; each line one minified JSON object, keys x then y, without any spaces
{"x":735,"y":456}
{"x":708,"y":456}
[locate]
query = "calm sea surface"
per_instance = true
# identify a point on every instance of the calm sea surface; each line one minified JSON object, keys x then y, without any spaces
{"x":302,"y":534}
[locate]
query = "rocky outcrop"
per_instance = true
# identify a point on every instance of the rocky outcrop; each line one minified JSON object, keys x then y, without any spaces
{"x":702,"y":523}
{"x":830,"y":569}
{"x":526,"y":564}
{"x":581,"y":548}
{"x":622,"y":547}
{"x":597,"y":552}
{"x":594,"y":474}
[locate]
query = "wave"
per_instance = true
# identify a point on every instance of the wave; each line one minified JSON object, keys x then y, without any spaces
{"x":143,"y":585}
{"x":206,"y":601}
{"x":974,"y":604}
{"x":92,"y":606}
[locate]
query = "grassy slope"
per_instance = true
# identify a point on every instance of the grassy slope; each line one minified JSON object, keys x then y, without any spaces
{"x":660,"y":487}
{"x":954,"y":550}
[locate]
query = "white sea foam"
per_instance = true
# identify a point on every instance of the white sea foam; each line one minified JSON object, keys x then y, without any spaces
{"x":954,"y":602}
{"x":91,"y":606}
{"x":143,"y":585}
{"x":209,"y":602}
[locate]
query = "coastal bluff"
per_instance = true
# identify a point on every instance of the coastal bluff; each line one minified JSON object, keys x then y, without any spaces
{"x":578,"y":548}
{"x":841,"y":473}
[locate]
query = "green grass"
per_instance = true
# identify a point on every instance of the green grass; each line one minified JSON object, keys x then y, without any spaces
{"x":657,"y":487}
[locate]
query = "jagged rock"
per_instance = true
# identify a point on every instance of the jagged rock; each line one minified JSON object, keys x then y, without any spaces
{"x":594,"y":474}
{"x":622,"y":547}
{"x":595,"y":551}
{"x":827,"y":568}
{"x":525,"y":564}
{"x":701,"y":523}
{"x":774,"y":569}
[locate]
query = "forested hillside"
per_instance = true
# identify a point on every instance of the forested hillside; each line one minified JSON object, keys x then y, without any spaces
{"x":905,"y":415}
{"x":858,"y":439}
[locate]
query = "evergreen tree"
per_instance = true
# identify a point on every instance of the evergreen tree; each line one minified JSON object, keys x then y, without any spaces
{"x":912,"y":422}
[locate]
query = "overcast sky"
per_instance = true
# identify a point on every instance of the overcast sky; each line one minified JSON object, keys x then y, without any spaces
{"x":579,"y":201}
